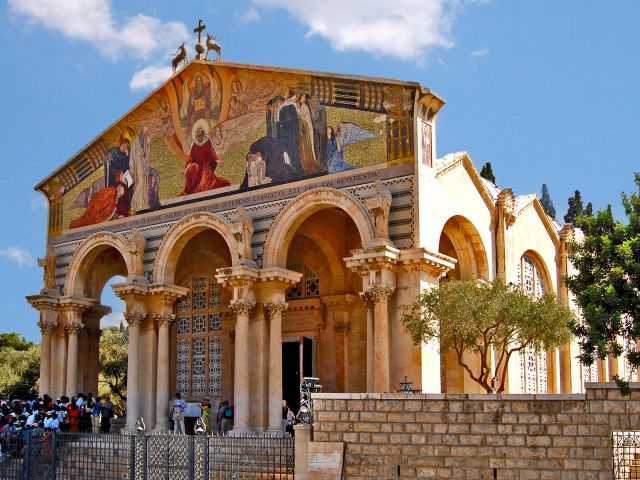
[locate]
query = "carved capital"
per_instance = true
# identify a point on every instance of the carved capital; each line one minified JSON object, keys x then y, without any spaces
{"x":241,"y":307}
{"x":342,"y":328}
{"x":275,"y":309}
{"x":163,"y":319}
{"x":507,"y":204}
{"x":135,"y":318}
{"x":367,"y":300}
{"x":378,"y":293}
{"x":73,"y":328}
{"x":46,"y":328}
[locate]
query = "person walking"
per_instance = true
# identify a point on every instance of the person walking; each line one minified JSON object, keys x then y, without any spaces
{"x":95,"y":415}
{"x":219,"y":415}
{"x":205,"y":413}
{"x":106,"y":413}
{"x":227,"y":418}
{"x":177,"y":408}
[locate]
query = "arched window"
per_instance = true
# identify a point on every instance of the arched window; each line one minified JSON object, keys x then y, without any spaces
{"x":533,"y":371}
{"x":309,"y":284}
{"x":199,"y":340}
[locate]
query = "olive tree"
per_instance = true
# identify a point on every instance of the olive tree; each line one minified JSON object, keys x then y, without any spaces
{"x":484,"y":319}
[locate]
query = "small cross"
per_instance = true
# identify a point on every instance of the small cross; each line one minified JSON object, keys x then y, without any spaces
{"x":199,"y":29}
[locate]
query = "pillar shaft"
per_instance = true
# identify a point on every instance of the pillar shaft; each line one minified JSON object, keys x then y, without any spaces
{"x":275,"y":366}
{"x":379,"y":296}
{"x":370,"y":338}
{"x":134,"y":319}
{"x":73,"y":331}
{"x":162,"y":385}
{"x":61,"y":364}
{"x":45,"y":357}
{"x":241,"y":370}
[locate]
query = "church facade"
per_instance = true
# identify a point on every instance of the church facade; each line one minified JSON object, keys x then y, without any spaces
{"x":271,"y":224}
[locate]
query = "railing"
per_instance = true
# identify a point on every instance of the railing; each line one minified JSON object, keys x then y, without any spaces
{"x":626,"y":455}
{"x":40,"y":455}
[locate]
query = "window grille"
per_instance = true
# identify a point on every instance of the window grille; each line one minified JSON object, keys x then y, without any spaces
{"x":309,"y":284}
{"x":199,"y":340}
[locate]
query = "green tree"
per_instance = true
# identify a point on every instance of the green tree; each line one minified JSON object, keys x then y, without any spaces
{"x":547,"y":203}
{"x":481,"y":318}
{"x":15,"y":341}
{"x":19,"y":366}
{"x":606,"y":284}
{"x":575,"y":207}
{"x":487,"y":173}
{"x":113,"y":364}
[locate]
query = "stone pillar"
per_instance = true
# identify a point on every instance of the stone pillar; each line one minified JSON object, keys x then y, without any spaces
{"x":369,"y":305}
{"x":163,"y":321}
{"x":342,"y":330}
{"x":47,"y":328}
{"x":275,"y":311}
{"x":241,"y":309}
{"x":60,"y":382}
{"x":72,"y":330}
{"x":379,"y":296}
{"x":135,"y":320}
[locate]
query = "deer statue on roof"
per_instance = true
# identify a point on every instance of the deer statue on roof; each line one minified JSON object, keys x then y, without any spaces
{"x":213,"y":45}
{"x":180,"y":57}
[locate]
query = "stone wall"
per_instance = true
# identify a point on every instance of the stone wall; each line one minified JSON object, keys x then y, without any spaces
{"x":462,"y":436}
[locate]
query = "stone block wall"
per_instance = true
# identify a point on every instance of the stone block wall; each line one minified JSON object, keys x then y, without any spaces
{"x":461,"y":436}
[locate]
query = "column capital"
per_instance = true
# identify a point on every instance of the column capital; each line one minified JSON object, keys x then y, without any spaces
{"x":163,"y":319}
{"x":275,"y":309}
{"x":434,"y":264}
{"x":135,"y":318}
{"x":240,"y":307}
{"x":73,"y":328}
{"x":46,"y":327}
{"x":378,"y":293}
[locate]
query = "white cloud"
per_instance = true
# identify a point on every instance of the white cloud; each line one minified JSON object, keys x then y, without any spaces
{"x":93,"y":21}
{"x":481,"y":52}
{"x":39,"y":203}
{"x":112,"y":320}
{"x":18,"y":255}
{"x":248,"y":16}
{"x":150,"y":77}
{"x":405,"y":29}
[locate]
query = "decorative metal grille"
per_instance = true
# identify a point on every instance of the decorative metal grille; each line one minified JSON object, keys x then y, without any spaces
{"x":52,"y":455}
{"x":309,"y":284}
{"x":199,"y":330}
{"x":626,"y":455}
{"x":533,"y":370}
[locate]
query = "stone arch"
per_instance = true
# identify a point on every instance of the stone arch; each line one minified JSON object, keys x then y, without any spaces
{"x":302,"y":207}
{"x":470,"y":250}
{"x":84,"y":256}
{"x":179,"y":235}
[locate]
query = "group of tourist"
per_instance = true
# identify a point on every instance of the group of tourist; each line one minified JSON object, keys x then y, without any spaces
{"x":78,"y":414}
{"x":218,"y":422}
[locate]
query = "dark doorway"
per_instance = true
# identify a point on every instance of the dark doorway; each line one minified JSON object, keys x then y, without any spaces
{"x":297,"y":357}
{"x":291,"y":374}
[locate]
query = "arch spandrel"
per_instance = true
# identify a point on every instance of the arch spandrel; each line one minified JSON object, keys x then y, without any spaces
{"x":302,"y":207}
{"x":180,"y":234}
{"x":89,"y":250}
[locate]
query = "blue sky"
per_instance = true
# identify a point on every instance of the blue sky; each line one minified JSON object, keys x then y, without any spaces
{"x":546,"y":91}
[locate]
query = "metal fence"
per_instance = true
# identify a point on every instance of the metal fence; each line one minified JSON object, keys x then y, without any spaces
{"x":626,"y":455}
{"x":42,"y":455}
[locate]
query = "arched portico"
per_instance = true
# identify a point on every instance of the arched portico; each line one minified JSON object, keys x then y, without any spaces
{"x":302,"y":207}
{"x":164,"y":268}
{"x":80,"y":267}
{"x":460,"y":233}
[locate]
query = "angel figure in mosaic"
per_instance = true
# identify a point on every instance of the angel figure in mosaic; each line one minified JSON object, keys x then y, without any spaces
{"x":344,"y":135}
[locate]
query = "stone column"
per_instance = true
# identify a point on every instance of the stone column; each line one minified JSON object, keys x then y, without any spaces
{"x":72,"y":330}
{"x":163,"y":320}
{"x":135,"y":320}
{"x":47,"y":329}
{"x":275,"y":311}
{"x":379,"y":296}
{"x":342,"y":330}
{"x":60,"y":382}
{"x":369,"y":304}
{"x":241,"y":308}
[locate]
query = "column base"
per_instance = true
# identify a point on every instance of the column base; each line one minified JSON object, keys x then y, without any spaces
{"x":240,"y":431}
{"x":161,"y":427}
{"x":274,"y":432}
